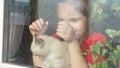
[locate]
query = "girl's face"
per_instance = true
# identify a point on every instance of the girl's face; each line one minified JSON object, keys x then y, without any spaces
{"x":78,"y":21}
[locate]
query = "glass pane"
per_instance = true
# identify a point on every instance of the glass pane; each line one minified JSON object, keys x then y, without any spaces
{"x":93,"y":24}
{"x":19,"y":14}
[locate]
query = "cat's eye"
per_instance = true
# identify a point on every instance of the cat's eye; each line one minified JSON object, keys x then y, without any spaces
{"x":39,"y":41}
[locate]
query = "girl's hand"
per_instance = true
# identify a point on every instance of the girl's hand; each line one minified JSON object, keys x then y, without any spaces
{"x":38,"y":27}
{"x":66,"y":32}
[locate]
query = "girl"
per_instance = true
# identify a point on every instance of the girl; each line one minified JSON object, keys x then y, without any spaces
{"x":73,"y":28}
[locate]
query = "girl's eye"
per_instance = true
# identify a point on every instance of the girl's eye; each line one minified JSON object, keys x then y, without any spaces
{"x":60,"y":19}
{"x":74,"y":19}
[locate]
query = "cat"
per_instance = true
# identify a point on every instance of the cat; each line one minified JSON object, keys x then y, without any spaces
{"x":54,"y":52}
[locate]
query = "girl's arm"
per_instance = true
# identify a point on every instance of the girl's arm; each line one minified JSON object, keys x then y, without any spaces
{"x":77,"y":60}
{"x":37,"y":61}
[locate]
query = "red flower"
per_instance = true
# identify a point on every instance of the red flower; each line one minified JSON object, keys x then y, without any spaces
{"x":95,"y":37}
{"x":92,"y":40}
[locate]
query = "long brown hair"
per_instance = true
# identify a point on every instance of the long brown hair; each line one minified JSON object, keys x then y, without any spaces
{"x":82,"y":6}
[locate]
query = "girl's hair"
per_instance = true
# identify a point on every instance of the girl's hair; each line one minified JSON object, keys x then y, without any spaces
{"x":81,"y":6}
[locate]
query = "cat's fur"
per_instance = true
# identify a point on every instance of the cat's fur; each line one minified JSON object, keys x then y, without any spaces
{"x":54,"y":52}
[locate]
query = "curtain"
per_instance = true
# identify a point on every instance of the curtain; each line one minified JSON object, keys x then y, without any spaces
{"x":19,"y":11}
{"x":15,"y":36}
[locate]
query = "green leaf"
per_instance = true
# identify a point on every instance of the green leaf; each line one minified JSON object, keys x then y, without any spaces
{"x":99,"y":66}
{"x":110,"y":32}
{"x":118,"y":47}
{"x":116,"y":53}
{"x":102,"y":1}
{"x":104,"y":51}
{"x":107,"y":43}
{"x":94,"y":57}
{"x":96,"y":47}
{"x":104,"y":64}
{"x":113,"y":59}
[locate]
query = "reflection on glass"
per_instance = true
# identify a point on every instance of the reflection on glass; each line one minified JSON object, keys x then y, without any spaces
{"x":100,"y":31}
{"x":18,"y":19}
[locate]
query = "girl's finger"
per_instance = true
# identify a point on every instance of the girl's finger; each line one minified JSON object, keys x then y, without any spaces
{"x":61,"y":31}
{"x":38,"y":24}
{"x":42,"y":21}
{"x":43,"y":29}
{"x":63,"y":27}
{"x":46,"y":25}
{"x":35,"y":26}
{"x":42,"y":24}
{"x":31,"y":28}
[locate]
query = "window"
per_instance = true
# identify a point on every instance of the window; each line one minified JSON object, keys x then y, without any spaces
{"x":3,"y":61}
{"x":17,"y":15}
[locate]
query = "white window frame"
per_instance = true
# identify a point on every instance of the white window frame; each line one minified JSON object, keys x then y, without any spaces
{"x":4,"y":65}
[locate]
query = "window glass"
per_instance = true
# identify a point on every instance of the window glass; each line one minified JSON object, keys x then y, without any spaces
{"x":16,"y":34}
{"x":19,"y":14}
{"x":95,"y":23}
